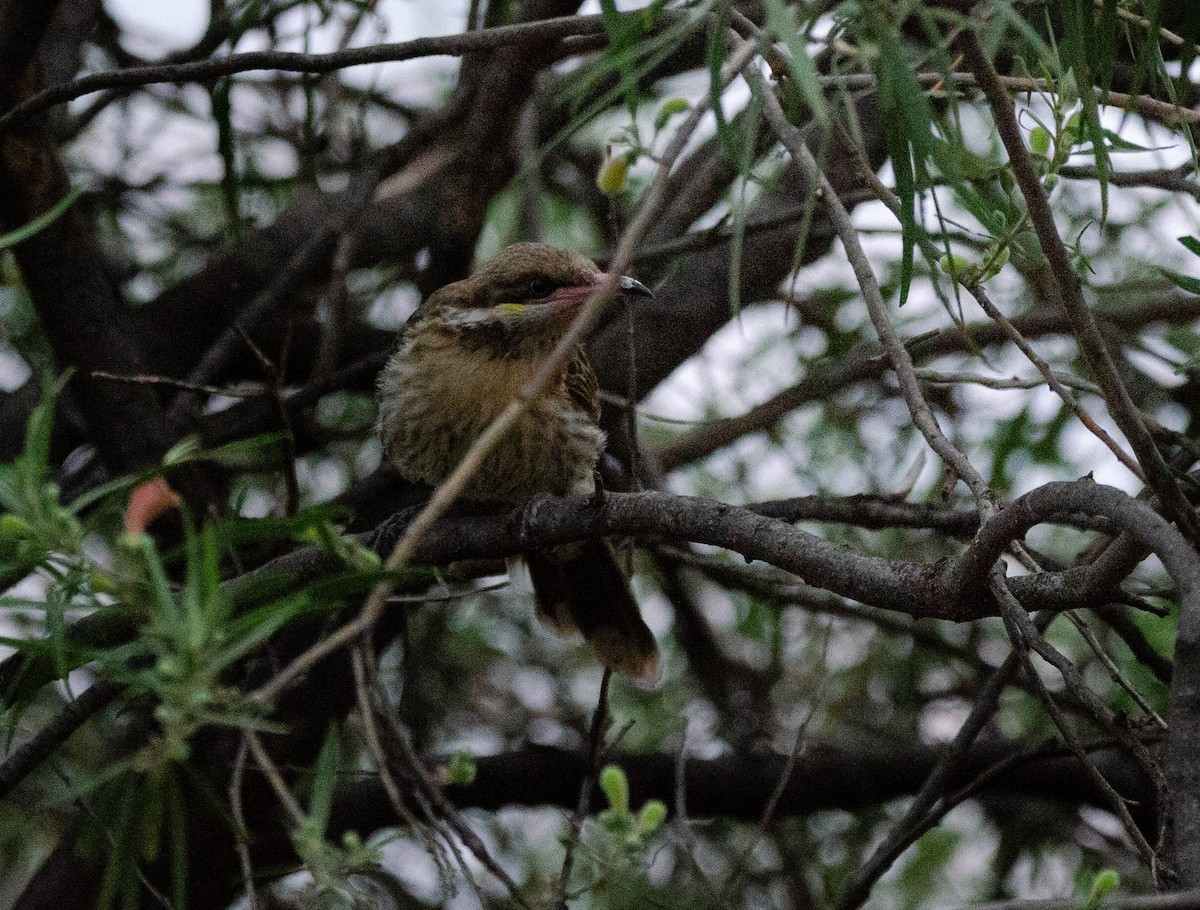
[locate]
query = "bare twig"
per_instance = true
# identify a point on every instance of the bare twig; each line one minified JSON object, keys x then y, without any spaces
{"x":542,"y":32}
{"x":1180,"y":900}
{"x":274,"y":777}
{"x":595,"y":747}
{"x":199,"y":388}
{"x":1023,"y":634}
{"x":239,"y":818}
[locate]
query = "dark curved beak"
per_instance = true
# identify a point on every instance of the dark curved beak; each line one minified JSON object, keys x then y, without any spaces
{"x":634,"y":288}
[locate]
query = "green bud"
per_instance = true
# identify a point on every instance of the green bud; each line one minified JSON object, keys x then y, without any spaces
{"x":954,"y":265}
{"x":100,"y":581}
{"x":615,"y":785}
{"x":614,"y":175}
{"x":461,"y":771}
{"x":1068,"y":89}
{"x":653,"y":814}
{"x":669,"y":109}
{"x":1105,"y":882}
{"x":13,"y":528}
{"x":1039,"y":140}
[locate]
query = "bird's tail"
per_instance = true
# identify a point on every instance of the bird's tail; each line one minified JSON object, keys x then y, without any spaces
{"x":579,"y":587}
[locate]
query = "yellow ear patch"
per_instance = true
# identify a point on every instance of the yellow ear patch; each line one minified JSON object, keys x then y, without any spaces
{"x":513,"y":307}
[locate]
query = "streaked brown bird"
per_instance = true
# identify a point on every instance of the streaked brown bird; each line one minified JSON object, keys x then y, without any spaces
{"x":461,"y":358}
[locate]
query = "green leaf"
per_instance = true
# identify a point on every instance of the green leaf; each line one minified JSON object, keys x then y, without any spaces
{"x":1104,"y":46}
{"x":41,"y":222}
{"x":1105,"y":882}
{"x":222,"y":112}
{"x":715,"y":57}
{"x":622,"y":36}
{"x":1115,"y":143}
{"x":324,"y":780}
{"x":1191,"y":243}
{"x":1078,"y":43}
{"x":1184,"y":282}
{"x":910,"y":137}
{"x":669,"y":109}
{"x":1039,"y":141}
{"x":745,"y":161}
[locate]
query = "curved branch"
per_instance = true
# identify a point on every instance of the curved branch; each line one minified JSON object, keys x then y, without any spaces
{"x":944,"y":590}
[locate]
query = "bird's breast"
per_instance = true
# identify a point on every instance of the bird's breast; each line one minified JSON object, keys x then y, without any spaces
{"x":435,"y":400}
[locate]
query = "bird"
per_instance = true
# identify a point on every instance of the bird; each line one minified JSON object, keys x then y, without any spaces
{"x":461,"y":357}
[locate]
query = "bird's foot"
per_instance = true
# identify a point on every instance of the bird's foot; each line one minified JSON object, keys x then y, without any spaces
{"x":523,"y":522}
{"x":385,"y":534}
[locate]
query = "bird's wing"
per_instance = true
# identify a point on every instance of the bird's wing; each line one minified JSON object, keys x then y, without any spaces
{"x":582,"y":385}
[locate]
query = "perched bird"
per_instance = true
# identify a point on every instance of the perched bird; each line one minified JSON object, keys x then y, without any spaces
{"x":461,"y":358}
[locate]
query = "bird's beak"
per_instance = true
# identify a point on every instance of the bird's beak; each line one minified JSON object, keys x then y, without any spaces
{"x":577,"y":295}
{"x":633,"y":288}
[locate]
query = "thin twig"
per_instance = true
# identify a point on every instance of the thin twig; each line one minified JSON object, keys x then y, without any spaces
{"x":974,"y":287}
{"x":595,"y":745}
{"x":542,"y":32}
{"x":199,"y":388}
{"x":1066,"y":288}
{"x":1022,"y":634}
{"x":271,"y":772}
{"x":239,"y":818}
{"x":897,"y":353}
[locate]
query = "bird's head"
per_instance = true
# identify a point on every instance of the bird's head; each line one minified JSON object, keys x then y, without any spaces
{"x":523,"y":300}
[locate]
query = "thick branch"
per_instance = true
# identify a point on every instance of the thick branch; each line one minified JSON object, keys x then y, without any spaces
{"x":738,"y":786}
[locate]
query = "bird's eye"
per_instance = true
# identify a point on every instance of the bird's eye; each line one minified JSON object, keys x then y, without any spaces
{"x":540,"y":287}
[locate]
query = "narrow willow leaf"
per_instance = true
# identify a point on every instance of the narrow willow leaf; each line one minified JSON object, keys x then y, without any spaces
{"x":324,"y":780}
{"x":41,"y":222}
{"x":908,"y":125}
{"x":652,"y":51}
{"x":1078,"y":37}
{"x":1115,"y":143}
{"x":1104,"y":47}
{"x":222,"y":111}
{"x":740,"y":207}
{"x":1191,"y":243}
{"x":1184,"y":282}
{"x":1147,"y":63}
{"x":783,"y":24}
{"x":715,"y":58}
{"x":622,"y":35}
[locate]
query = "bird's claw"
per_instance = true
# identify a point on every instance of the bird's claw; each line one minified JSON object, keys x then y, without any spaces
{"x":525,"y":518}
{"x":597,"y":499}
